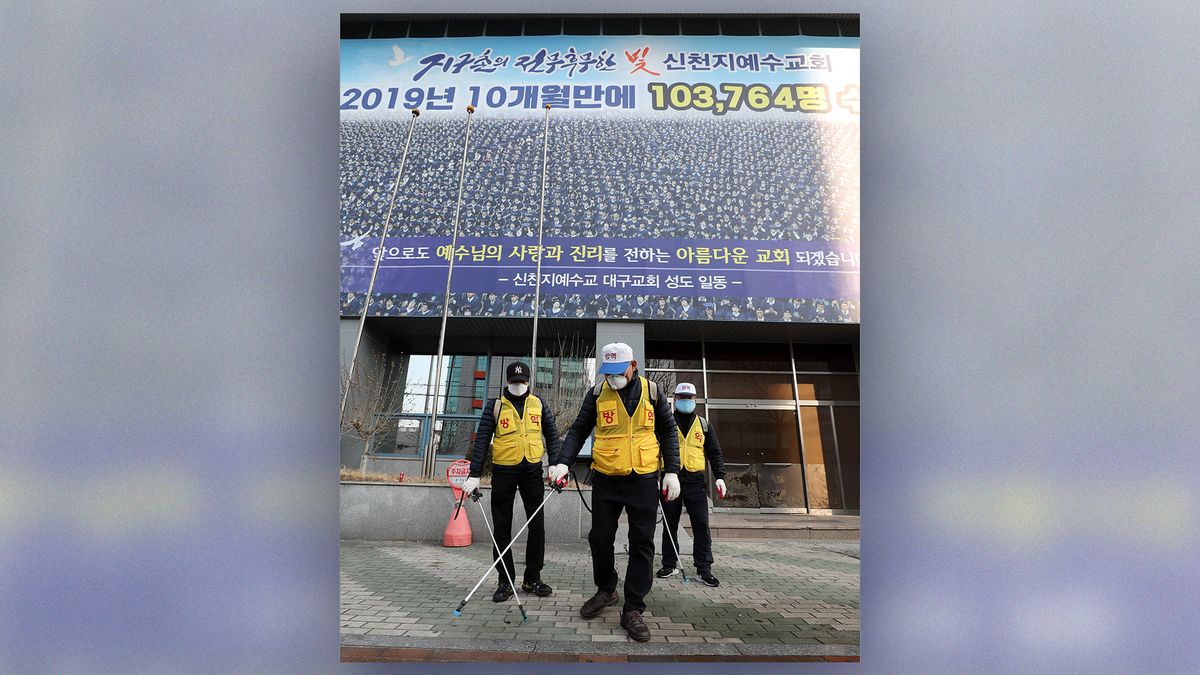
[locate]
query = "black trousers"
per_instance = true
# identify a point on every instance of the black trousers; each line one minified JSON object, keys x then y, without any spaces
{"x":694,"y":496}
{"x":639,"y":499}
{"x":504,"y":491}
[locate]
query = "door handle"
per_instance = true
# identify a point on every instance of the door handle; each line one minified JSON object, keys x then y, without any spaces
{"x":737,"y":464}
{"x":776,"y":463}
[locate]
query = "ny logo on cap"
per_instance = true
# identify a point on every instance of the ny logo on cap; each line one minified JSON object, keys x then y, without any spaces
{"x":517,"y":370}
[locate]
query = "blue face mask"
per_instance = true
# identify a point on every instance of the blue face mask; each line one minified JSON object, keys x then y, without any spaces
{"x":686,"y":406}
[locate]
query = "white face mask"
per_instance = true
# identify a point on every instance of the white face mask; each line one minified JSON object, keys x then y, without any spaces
{"x":617,"y":381}
{"x":518,"y":388}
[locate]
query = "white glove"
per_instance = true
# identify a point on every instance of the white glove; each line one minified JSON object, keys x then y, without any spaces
{"x":671,"y":486}
{"x":470,"y":486}
{"x":558,"y":474}
{"x":721,"y":489}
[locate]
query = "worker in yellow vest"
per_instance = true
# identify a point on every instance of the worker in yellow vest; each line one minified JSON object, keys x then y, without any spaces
{"x":519,"y":429}
{"x":634,"y":429}
{"x":697,"y":443}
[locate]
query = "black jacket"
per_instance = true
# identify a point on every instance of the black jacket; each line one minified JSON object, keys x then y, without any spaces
{"x":712,"y":449}
{"x":585,"y":423}
{"x":487,"y":426}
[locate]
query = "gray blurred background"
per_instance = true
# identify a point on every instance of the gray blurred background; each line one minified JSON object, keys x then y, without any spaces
{"x":168,"y":254}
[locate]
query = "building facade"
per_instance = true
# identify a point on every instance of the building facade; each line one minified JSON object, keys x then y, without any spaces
{"x":723,"y":246}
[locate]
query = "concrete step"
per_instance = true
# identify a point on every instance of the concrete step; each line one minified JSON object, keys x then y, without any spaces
{"x":753,"y":526}
{"x":780,"y":526}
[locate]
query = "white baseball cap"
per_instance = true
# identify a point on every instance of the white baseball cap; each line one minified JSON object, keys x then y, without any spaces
{"x":615,"y":358}
{"x":685,"y":388}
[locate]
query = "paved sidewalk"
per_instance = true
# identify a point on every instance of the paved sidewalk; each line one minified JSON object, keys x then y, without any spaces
{"x":776,"y":599}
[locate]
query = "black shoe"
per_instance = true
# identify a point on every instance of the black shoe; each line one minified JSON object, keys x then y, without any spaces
{"x":598,"y":602}
{"x":666,"y":572}
{"x":503,"y":592}
{"x":633,"y":624}
{"x":537,"y":588}
{"x":708,"y":579}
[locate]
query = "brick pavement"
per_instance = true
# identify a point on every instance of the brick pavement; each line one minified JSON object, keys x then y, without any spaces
{"x":776,"y":598}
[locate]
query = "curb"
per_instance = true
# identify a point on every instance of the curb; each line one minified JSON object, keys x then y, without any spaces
{"x":383,"y":647}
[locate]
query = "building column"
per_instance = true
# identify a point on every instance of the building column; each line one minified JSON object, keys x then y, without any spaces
{"x":632,"y":334}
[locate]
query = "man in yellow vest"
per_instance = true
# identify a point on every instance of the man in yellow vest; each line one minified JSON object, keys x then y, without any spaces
{"x":697,"y":442}
{"x":634,"y":430}
{"x":519,"y":428}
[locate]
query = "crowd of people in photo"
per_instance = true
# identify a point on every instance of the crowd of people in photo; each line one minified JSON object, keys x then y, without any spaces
{"x":618,"y":306}
{"x":693,"y":178}
{"x":764,"y":179}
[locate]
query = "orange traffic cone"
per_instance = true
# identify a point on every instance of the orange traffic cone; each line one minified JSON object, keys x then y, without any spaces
{"x":458,"y":530}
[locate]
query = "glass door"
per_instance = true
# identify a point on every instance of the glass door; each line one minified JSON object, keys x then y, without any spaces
{"x":762,"y":457}
{"x":780,"y":474}
{"x":739,"y":448}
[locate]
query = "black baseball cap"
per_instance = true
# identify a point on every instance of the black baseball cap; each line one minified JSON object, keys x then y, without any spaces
{"x":517,"y":372}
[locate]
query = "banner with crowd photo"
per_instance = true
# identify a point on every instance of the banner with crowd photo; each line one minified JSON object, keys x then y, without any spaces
{"x":707,"y":177}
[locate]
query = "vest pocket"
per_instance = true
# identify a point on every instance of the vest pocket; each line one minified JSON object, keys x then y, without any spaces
{"x":507,"y":424}
{"x":646,"y":420}
{"x":606,"y":414}
{"x":534,"y":448}
{"x":648,"y":455}
{"x":609,"y":458}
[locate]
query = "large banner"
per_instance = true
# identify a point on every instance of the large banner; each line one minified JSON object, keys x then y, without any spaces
{"x":688,"y":177}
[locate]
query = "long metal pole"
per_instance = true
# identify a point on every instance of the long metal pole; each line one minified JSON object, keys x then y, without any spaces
{"x":430,"y":462}
{"x":362,"y":321}
{"x":511,"y":584}
{"x":458,"y":612}
{"x":537,"y":281}
{"x":667,"y":528}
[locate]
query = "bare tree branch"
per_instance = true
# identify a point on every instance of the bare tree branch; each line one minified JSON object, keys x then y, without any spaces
{"x":374,"y":392}
{"x":566,"y":392}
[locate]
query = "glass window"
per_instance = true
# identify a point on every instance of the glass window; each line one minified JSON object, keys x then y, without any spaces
{"x":824,"y":358}
{"x":779,"y":442}
{"x":450,"y":396}
{"x":668,"y":380}
{"x":453,"y":438}
{"x":747,"y":356}
{"x":418,"y":384}
{"x":750,"y":385}
{"x":845,"y":422}
{"x":459,"y":387}
{"x":408,"y":437}
{"x":545,"y":371}
{"x":827,"y":387}
{"x":565,"y":394}
{"x":670,"y":354}
{"x":820,"y":458}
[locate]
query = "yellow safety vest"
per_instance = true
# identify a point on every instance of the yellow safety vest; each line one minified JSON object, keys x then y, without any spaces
{"x":516,"y":437}
{"x":624,"y":444}
{"x":691,"y":447}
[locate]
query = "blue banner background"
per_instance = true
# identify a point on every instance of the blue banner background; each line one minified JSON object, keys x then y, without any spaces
{"x":626,"y":171}
{"x":414,"y":265}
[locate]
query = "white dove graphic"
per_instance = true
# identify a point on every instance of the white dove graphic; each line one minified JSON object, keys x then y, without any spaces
{"x":354,"y":243}
{"x":398,"y":56}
